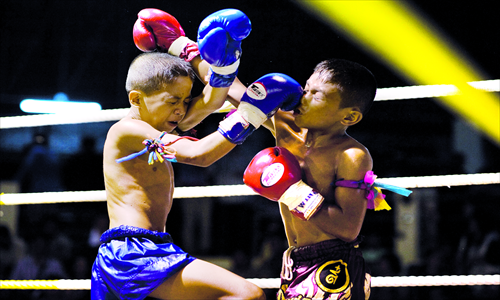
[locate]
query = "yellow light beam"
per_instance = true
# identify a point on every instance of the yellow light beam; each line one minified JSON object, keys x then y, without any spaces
{"x":405,"y":41}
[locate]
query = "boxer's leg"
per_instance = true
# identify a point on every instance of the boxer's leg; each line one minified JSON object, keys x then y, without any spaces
{"x":203,"y":280}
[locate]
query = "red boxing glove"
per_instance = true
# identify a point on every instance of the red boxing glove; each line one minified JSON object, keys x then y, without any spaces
{"x":275,"y":174}
{"x":156,"y":29}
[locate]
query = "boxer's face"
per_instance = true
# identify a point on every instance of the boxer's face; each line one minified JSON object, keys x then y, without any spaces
{"x":165,"y":109}
{"x":319,"y":107}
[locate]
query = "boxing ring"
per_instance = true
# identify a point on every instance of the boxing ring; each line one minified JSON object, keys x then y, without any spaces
{"x":238,"y":190}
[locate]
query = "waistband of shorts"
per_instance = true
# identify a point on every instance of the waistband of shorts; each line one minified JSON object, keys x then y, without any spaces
{"x":124,"y":231}
{"x":324,"y":248}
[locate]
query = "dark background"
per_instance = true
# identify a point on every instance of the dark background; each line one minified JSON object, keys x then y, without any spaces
{"x":84,"y":48}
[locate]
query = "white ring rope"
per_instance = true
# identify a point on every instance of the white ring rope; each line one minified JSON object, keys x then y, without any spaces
{"x":383,"y":94}
{"x":243,"y":190}
{"x":447,"y":280}
{"x":274,"y":283}
{"x":58,"y":284}
{"x":61,"y":119}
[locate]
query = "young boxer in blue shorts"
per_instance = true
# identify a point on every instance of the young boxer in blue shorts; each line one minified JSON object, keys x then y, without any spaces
{"x":137,"y":257}
{"x":323,"y":181}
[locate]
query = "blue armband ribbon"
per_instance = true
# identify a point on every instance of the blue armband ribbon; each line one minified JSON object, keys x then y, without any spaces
{"x":158,"y":151}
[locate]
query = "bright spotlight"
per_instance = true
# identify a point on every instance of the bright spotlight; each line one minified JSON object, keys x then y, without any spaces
{"x":60,"y":104}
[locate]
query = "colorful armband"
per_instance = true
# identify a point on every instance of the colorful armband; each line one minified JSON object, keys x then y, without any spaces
{"x":373,"y":190}
{"x":158,"y":151}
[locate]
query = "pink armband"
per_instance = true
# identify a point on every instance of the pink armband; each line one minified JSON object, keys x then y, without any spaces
{"x":373,"y":190}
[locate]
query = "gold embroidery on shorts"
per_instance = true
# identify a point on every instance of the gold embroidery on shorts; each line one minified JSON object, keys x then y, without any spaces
{"x":332,"y":276}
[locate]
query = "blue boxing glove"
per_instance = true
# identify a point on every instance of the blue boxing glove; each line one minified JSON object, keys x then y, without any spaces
{"x":260,"y":102}
{"x":272,"y":92}
{"x":219,"y":41}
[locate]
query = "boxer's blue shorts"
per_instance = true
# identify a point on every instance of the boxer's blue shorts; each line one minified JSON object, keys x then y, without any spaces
{"x":132,"y":262}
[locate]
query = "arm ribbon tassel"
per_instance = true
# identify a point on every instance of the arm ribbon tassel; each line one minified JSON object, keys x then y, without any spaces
{"x":158,"y":151}
{"x":374,"y":195}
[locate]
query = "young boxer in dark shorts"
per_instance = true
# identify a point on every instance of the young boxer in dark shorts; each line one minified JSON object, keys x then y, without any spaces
{"x":323,"y":182}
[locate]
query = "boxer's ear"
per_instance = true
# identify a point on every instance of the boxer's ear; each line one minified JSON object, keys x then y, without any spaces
{"x":353,"y":116}
{"x":135,"y":97}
